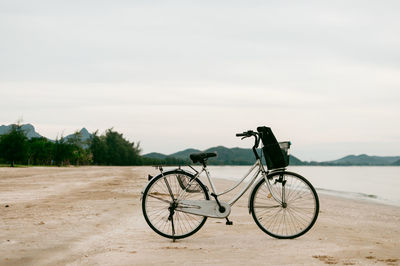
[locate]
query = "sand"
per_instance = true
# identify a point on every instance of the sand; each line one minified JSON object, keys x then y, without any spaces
{"x":92,"y":216}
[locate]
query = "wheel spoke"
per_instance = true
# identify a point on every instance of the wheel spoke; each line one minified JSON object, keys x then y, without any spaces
{"x":162,"y":194}
{"x":154,"y":197}
{"x":292,"y":218}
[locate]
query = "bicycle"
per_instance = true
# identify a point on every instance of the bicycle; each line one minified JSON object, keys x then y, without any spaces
{"x":283,"y":204}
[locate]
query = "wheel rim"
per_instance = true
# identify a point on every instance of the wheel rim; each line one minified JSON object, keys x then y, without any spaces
{"x":158,"y":205}
{"x":294,"y":214}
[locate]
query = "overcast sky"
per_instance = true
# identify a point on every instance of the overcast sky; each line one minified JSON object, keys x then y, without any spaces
{"x":190,"y":74}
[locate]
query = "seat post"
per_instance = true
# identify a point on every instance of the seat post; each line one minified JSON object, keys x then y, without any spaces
{"x":209,"y":180}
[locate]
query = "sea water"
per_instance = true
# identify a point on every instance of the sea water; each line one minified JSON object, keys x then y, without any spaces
{"x":375,"y":183}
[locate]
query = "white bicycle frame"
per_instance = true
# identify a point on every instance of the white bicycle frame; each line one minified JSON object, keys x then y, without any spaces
{"x":258,"y":164}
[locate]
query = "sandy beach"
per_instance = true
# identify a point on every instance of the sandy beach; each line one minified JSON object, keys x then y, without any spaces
{"x":92,"y":216}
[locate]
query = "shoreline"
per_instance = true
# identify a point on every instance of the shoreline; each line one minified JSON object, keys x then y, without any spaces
{"x":92,"y":215}
{"x":352,"y":182}
{"x":349,"y":195}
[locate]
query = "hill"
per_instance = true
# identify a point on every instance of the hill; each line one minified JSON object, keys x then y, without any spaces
{"x":364,"y":159}
{"x":83,"y":133}
{"x":155,"y":155}
{"x":31,"y":133}
{"x":396,"y":162}
{"x":233,"y":156}
{"x":240,"y":156}
{"x":184,"y":154}
{"x":27,"y":128}
{"x":226,"y":156}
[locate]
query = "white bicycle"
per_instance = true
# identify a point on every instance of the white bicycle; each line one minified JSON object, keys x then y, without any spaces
{"x":283,"y":204}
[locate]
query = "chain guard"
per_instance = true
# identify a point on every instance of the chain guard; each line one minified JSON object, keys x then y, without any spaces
{"x":207,"y":208}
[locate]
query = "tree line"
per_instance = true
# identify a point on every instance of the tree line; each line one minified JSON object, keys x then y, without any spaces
{"x":110,"y":148}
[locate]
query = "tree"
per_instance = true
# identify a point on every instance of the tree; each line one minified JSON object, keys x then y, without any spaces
{"x":98,"y":149}
{"x":39,"y":151}
{"x":62,"y":152}
{"x":113,"y":149}
{"x":78,"y":154}
{"x":13,"y":146}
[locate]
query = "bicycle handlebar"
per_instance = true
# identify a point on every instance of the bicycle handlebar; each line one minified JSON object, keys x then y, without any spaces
{"x":256,"y":136}
{"x":247,"y":134}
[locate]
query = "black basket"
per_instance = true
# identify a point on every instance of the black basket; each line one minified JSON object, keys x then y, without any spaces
{"x":276,"y":153}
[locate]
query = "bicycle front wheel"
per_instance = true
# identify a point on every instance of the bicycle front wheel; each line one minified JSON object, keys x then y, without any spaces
{"x":161,"y":197}
{"x":286,"y":207}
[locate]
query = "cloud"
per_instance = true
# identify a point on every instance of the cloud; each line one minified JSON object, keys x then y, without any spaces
{"x":195,"y":73}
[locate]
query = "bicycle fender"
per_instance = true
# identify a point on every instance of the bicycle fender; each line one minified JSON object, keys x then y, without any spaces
{"x":251,"y":193}
{"x":254,"y":186}
{"x":269,"y":176}
{"x":169,"y":172}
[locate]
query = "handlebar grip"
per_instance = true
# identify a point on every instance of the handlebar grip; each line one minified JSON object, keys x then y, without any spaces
{"x":240,"y":135}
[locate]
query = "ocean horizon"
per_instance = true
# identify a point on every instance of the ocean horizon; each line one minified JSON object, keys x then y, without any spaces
{"x":378,"y":184}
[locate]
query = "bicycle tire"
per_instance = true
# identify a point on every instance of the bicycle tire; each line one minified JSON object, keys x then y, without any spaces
{"x":157,"y":200}
{"x":277,"y":219}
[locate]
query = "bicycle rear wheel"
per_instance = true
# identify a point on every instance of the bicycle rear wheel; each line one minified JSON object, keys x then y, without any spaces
{"x":160,"y":198}
{"x":289,"y":210}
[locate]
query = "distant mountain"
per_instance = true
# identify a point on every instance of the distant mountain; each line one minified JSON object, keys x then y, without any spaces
{"x":230,"y":156}
{"x":31,"y":133}
{"x":155,"y":155}
{"x":364,"y":159}
{"x":233,"y":156}
{"x":184,"y":154}
{"x":396,"y":162}
{"x":239,"y":156}
{"x":226,"y":156}
{"x":27,"y":128}
{"x":84,"y":135}
{"x":295,"y":161}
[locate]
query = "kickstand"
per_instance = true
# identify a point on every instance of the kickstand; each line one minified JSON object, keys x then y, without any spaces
{"x":171,"y":218}
{"x":228,"y":222}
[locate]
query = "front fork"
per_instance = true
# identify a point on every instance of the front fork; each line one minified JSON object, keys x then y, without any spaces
{"x":281,"y":180}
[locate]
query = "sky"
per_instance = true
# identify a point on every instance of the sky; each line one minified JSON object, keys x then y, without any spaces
{"x":190,"y":74}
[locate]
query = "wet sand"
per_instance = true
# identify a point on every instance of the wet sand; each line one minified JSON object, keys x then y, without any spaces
{"x":92,"y":216}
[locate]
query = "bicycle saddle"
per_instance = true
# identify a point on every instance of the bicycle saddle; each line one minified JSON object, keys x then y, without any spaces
{"x":201,"y":157}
